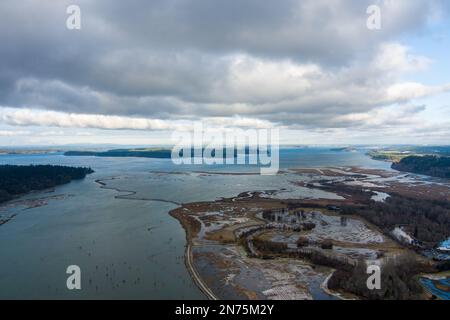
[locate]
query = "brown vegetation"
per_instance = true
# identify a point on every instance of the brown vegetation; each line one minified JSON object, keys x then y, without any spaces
{"x":398,"y":280}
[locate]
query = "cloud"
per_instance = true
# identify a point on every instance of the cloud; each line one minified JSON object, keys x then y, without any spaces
{"x":13,"y":133}
{"x":33,"y":117}
{"x":162,"y":64}
{"x":396,"y":58}
{"x":273,"y":90}
{"x":413,"y":90}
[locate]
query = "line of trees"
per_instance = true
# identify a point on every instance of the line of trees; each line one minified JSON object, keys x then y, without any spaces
{"x":17,"y":180}
{"x":266,"y":246}
{"x":426,"y":220}
{"x":399,"y":280}
{"x":427,"y":165}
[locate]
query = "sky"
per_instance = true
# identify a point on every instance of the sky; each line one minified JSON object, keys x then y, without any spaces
{"x":138,"y":70}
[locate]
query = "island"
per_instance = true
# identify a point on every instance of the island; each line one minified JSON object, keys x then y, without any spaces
{"x":346,"y":149}
{"x":17,"y":180}
{"x":157,"y":153}
{"x":25,"y":151}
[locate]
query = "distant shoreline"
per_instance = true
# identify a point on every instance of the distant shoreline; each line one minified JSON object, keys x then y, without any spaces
{"x":138,"y":153}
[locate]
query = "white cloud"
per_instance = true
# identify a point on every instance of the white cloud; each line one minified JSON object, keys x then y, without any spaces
{"x":13,"y":133}
{"x":412,"y":90}
{"x":396,"y":58}
{"x":35,"y":117}
{"x":271,"y":90}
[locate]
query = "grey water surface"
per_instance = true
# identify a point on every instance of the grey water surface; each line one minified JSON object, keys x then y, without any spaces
{"x":127,"y":248}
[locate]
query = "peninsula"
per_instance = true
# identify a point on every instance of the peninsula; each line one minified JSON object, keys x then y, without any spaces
{"x":18,"y":180}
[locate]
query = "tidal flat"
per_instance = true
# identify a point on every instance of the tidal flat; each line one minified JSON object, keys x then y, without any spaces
{"x":259,"y":246}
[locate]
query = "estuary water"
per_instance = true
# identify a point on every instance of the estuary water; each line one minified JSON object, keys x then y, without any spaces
{"x":127,"y":247}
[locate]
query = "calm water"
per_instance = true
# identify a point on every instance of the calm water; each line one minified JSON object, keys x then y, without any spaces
{"x":126,"y":248}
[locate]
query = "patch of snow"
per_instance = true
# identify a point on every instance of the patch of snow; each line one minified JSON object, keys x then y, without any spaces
{"x":401,"y":235}
{"x":380,"y":196}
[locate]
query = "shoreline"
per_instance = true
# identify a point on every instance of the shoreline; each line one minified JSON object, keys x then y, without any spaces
{"x":130,"y":193}
{"x":188,"y":260}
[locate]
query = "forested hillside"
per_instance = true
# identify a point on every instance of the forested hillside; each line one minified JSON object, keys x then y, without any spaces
{"x":434,"y":166}
{"x":16,"y":180}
